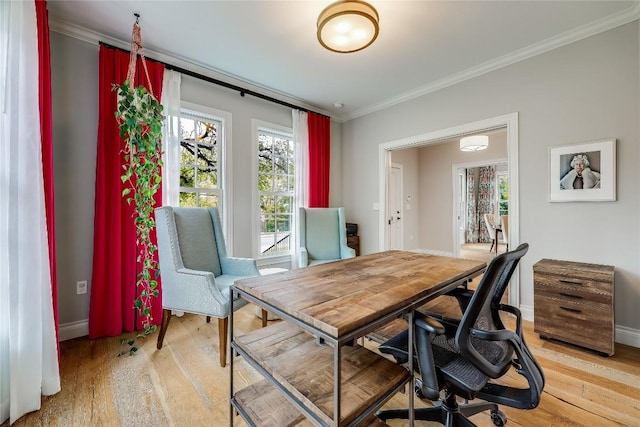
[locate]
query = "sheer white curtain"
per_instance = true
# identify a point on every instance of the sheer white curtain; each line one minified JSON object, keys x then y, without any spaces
{"x":301,"y":138}
{"x":28,"y":351}
{"x":171,"y":138}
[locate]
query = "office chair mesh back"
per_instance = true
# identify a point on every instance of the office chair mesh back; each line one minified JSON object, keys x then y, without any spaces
{"x":493,"y":358}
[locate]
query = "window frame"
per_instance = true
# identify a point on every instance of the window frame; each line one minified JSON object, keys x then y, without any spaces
{"x":225,"y":184}
{"x":256,"y":127}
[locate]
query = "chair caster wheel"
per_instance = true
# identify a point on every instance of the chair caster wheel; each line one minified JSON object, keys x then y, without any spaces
{"x":498,"y":418}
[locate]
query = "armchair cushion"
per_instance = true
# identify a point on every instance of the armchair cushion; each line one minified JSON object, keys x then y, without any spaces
{"x":197,"y":240}
{"x":323,"y":237}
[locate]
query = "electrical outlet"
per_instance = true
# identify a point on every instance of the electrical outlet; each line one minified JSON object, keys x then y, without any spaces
{"x":81,"y":287}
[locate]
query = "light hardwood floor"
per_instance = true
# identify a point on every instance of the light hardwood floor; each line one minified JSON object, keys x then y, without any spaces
{"x":184,"y":385}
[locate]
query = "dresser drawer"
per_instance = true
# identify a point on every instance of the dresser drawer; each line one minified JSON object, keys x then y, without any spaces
{"x":587,"y":290}
{"x":577,"y":322}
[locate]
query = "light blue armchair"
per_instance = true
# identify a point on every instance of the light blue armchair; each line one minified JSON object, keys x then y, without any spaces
{"x":195,"y":269}
{"x":323,"y":236}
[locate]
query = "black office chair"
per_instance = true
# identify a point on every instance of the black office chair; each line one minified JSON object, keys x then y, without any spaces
{"x":463,"y":357}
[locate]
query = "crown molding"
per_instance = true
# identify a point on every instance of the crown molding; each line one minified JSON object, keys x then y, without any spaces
{"x":84,"y":34}
{"x":612,"y":21}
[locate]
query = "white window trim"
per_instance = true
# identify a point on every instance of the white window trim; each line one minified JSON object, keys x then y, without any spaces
{"x":255,"y":211}
{"x":225,"y":175}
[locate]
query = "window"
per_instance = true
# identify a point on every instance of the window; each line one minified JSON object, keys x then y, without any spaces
{"x":200,"y":159}
{"x":275,"y":176}
{"x":503,"y":193}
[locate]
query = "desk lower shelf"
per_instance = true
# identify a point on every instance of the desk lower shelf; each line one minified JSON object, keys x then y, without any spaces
{"x":266,"y":406}
{"x":304,"y":369}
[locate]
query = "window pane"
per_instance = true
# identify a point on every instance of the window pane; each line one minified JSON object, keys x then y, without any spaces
{"x":187,"y":152}
{"x":207,"y":177}
{"x":187,"y":176}
{"x":284,"y":204}
{"x":265,"y":162}
{"x":208,"y":200}
{"x":267,"y":204}
{"x":283,"y":224}
{"x":280,"y":183}
{"x":188,"y":199}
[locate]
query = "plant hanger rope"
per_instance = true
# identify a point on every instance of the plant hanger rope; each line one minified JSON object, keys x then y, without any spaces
{"x":137,"y":49}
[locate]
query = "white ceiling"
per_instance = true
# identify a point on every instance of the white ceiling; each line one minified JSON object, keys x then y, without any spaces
{"x":422,"y":46}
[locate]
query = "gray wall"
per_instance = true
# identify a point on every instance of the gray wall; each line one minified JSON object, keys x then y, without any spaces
{"x":584,"y":91}
{"x":75,"y":121}
{"x":74,"y":78}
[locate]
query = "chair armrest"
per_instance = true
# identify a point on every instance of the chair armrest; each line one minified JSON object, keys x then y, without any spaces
{"x":195,"y":291}
{"x":424,"y":328}
{"x":431,"y":325}
{"x":516,"y":312}
{"x":239,"y":266}
{"x":303,"y":259}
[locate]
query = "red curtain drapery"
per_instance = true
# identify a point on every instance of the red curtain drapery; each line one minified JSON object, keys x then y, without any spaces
{"x":46,"y":137}
{"x":319,"y":159}
{"x":115,"y":266}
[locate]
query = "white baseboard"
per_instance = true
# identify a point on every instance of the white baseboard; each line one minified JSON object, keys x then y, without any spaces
{"x":628,"y":336}
{"x":527,"y":312}
{"x":73,"y":330}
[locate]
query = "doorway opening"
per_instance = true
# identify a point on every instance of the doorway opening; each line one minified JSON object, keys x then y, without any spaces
{"x":481,"y":192}
{"x":508,"y":124}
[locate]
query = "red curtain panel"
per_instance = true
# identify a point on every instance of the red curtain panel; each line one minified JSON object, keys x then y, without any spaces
{"x":113,"y":282}
{"x":46,"y":135}
{"x":319,"y":159}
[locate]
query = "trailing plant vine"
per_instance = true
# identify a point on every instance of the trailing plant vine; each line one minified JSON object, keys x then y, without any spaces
{"x":140,"y":118}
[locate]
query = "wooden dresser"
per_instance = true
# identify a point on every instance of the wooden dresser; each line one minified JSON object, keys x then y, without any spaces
{"x":354,"y":243}
{"x":574,"y":303}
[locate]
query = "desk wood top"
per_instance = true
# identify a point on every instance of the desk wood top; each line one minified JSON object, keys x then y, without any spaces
{"x":340,"y":297}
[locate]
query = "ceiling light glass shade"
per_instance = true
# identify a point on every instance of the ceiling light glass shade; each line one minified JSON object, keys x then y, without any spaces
{"x":474,"y":143}
{"x":347,"y":26}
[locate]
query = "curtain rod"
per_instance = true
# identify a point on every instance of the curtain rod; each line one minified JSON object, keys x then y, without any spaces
{"x":199,"y":76}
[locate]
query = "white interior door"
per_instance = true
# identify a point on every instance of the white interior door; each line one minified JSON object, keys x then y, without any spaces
{"x":395,"y":207}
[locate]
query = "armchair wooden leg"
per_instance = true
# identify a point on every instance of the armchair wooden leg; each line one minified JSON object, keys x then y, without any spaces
{"x":223,"y":325}
{"x":264,"y":317}
{"x":166,"y":317}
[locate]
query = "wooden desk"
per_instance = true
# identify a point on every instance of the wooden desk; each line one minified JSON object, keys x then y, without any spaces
{"x":336,"y":303}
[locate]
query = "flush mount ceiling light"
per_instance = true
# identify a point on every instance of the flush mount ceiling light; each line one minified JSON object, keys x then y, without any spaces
{"x":474,"y":143}
{"x":348,"y":26}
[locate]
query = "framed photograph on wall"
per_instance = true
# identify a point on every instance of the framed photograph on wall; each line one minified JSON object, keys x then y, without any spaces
{"x":583,"y":172}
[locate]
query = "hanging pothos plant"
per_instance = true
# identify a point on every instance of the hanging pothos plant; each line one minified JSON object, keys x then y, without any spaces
{"x":140,"y":117}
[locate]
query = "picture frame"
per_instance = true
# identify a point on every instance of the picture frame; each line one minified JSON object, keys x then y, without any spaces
{"x":583,"y":172}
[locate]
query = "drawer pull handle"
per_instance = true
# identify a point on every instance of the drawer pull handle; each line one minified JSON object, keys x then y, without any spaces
{"x":570,"y":295}
{"x":573,"y":310}
{"x":571,"y":282}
